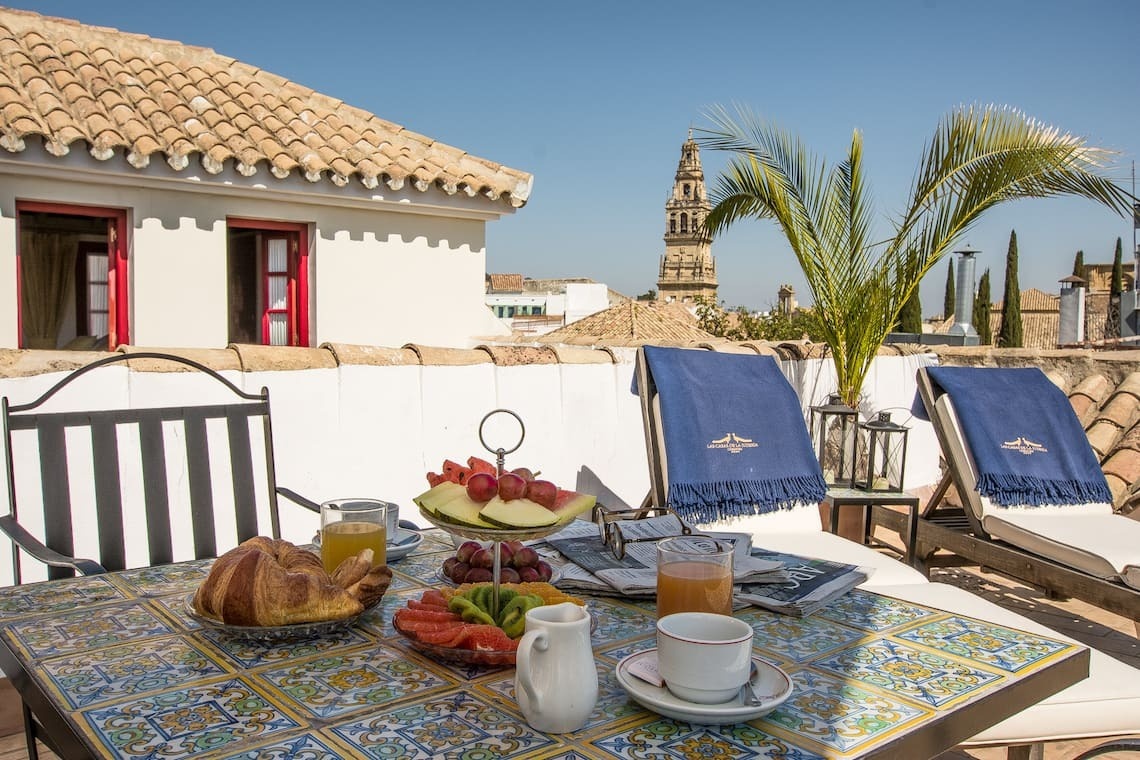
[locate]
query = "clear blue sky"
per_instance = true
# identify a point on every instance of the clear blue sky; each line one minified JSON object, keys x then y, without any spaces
{"x":595,"y":99}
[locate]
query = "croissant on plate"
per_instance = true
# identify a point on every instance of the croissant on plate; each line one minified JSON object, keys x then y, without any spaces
{"x":266,"y":581}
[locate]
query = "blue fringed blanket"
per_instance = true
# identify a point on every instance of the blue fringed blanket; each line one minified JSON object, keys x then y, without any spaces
{"x":735,"y":438}
{"x":1027,"y":443}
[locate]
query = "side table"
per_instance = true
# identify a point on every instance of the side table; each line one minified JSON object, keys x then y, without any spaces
{"x":837,"y":498}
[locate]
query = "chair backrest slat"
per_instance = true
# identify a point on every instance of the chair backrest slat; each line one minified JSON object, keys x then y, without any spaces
{"x":156,"y":493}
{"x":201,"y":492}
{"x":177,"y":489}
{"x":241,"y":470}
{"x":108,"y":495}
{"x":56,"y":490}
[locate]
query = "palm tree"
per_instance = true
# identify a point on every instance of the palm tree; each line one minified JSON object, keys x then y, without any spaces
{"x":978,"y":158}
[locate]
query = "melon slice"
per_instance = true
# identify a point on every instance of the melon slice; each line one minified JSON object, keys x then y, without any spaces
{"x":463,"y":511}
{"x":517,"y":513}
{"x":431,"y":499}
{"x":570,"y":504}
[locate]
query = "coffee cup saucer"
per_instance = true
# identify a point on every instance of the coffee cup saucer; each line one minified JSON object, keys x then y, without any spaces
{"x":772,"y":686}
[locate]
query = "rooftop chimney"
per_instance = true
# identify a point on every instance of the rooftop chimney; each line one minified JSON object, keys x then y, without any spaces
{"x":964,"y":295}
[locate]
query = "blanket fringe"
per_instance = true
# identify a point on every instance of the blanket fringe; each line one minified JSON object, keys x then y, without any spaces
{"x":1025,"y":490}
{"x":712,"y":501}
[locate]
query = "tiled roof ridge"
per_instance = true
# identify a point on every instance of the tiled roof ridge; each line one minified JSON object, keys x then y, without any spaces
{"x":68,"y":82}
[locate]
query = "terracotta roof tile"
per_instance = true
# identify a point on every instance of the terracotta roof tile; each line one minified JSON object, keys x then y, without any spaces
{"x":68,"y":82}
{"x":630,"y":324}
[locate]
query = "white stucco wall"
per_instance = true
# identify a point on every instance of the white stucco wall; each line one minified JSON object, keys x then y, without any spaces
{"x":376,"y":430}
{"x":378,"y":275}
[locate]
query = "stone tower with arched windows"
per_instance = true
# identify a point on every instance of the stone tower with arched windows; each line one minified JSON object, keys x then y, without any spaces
{"x":688,"y":269}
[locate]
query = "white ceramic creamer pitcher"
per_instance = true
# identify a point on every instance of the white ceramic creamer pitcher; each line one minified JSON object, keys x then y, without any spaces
{"x":556,"y":681}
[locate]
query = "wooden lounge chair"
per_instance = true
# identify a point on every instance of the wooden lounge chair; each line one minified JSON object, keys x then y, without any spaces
{"x":1084,"y":551}
{"x":1106,"y":704}
{"x":797,"y":530}
{"x":118,"y":486}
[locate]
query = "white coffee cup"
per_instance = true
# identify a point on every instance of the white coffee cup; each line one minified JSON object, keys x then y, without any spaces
{"x":704,"y":657}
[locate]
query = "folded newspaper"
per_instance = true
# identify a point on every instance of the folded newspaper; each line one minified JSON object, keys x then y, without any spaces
{"x":812,"y":584}
{"x":589,"y":565}
{"x":785,"y":583}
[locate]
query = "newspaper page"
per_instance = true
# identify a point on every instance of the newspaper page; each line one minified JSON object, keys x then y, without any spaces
{"x":588,"y":564}
{"x":812,"y":584}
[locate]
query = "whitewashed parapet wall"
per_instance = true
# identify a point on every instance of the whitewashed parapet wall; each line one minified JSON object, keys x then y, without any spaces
{"x":364,"y":421}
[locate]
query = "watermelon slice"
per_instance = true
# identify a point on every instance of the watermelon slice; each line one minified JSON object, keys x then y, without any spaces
{"x":482,"y":465}
{"x":435,"y":597}
{"x":456,"y":472}
{"x":570,"y":504}
{"x":416,"y":604}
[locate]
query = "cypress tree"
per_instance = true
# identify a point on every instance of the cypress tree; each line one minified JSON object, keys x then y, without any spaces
{"x":1079,"y":266}
{"x":1116,"y":289}
{"x":910,"y":317}
{"x":949,"y":298}
{"x":982,"y":310}
{"x":1010,"y":333}
{"x":1118,"y":270}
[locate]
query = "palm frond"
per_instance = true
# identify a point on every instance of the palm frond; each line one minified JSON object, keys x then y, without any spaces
{"x":978,"y":157}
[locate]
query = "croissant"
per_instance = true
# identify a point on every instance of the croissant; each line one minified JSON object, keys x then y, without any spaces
{"x":266,"y":581}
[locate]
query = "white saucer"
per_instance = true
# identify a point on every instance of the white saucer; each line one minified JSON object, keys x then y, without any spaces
{"x":405,"y":543}
{"x":771,"y":684}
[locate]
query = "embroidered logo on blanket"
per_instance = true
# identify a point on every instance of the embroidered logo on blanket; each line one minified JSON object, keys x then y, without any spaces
{"x":1025,"y":446}
{"x":733,"y":443}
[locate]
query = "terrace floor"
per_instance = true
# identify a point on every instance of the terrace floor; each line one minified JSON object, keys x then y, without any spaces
{"x":1096,"y":628}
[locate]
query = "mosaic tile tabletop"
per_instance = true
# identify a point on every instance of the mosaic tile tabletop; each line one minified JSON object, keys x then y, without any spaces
{"x":135,"y":677}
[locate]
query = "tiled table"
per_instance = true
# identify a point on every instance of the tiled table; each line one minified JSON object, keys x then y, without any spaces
{"x":116,"y":669}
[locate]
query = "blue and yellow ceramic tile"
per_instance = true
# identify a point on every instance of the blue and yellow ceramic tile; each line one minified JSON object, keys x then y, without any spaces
{"x":58,"y":596}
{"x":908,"y":671}
{"x":792,"y":639}
{"x":873,"y":613}
{"x":87,"y":629}
{"x":186,"y":722}
{"x":658,"y":737}
{"x":838,"y":715}
{"x":181,"y":578}
{"x":349,"y":681}
{"x":308,"y":746}
{"x":457,"y":725}
{"x":613,"y":707}
{"x":249,"y":654}
{"x":617,"y":621}
{"x":122,"y":671}
{"x":993,"y":645}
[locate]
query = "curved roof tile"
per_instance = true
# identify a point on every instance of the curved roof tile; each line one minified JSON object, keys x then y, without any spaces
{"x":68,"y":82}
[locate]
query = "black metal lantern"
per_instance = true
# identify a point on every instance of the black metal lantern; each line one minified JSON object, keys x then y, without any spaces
{"x":882,"y":465}
{"x":833,"y":426}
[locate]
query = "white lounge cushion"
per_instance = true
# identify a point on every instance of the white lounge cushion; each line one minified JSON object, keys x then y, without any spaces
{"x":798,"y":531}
{"x":1107,"y":703}
{"x":1104,"y":545}
{"x":1087,"y":537}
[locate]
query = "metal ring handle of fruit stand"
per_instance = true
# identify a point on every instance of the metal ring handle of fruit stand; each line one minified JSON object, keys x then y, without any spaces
{"x":501,"y":453}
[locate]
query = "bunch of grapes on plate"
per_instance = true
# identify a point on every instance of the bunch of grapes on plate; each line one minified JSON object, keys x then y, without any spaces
{"x":474,"y":563}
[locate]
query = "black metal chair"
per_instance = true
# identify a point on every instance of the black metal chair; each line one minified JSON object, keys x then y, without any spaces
{"x":176,"y":455}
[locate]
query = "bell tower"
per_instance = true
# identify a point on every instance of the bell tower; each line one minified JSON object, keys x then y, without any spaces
{"x":688,"y":269}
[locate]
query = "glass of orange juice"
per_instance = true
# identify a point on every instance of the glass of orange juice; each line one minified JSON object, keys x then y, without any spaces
{"x":350,"y":525}
{"x":694,"y":574}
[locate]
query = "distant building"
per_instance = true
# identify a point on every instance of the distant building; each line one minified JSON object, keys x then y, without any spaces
{"x":535,"y":307}
{"x":632,"y":323}
{"x":688,"y":269}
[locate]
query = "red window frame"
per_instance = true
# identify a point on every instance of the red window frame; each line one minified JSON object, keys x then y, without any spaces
{"x":118,"y":272}
{"x":297,"y":292}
